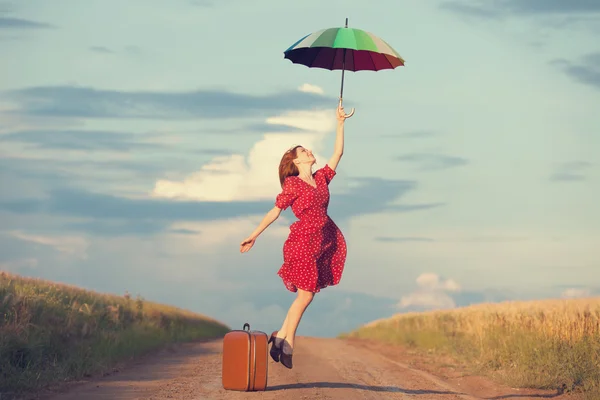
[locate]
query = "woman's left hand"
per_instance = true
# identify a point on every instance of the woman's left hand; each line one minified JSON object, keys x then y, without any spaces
{"x":247,"y":244}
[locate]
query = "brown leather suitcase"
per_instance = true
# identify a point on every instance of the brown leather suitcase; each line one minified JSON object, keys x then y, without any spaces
{"x":245,"y":360}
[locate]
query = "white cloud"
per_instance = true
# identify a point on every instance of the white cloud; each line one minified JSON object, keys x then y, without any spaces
{"x":573,"y":293}
{"x":427,"y":299}
{"x":432,"y":293}
{"x":429,"y":281}
{"x":254,"y":176}
{"x":308,"y":88}
{"x":217,"y":181}
{"x":71,"y":245}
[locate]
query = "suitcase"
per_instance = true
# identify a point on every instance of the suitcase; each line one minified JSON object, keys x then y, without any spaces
{"x":245,"y":360}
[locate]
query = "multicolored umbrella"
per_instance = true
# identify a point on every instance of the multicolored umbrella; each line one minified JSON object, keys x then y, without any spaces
{"x":346,"y":49}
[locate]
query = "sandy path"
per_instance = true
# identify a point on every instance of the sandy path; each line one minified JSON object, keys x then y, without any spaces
{"x":323,"y":369}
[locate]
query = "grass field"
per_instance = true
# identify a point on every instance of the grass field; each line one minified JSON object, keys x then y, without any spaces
{"x":542,"y":344}
{"x":52,"y":332}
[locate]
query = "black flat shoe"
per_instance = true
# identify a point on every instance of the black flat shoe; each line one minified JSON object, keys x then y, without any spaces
{"x":275,"y":351}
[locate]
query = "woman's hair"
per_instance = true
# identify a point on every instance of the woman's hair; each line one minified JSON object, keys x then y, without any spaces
{"x":287,"y":166}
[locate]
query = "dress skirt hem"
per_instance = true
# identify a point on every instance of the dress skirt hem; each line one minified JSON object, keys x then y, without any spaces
{"x":292,"y":287}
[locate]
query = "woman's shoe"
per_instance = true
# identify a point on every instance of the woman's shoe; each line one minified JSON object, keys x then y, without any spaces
{"x":275,"y":351}
{"x":286,"y":359}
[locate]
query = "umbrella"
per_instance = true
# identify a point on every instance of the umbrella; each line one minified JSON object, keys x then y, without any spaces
{"x":348,"y":49}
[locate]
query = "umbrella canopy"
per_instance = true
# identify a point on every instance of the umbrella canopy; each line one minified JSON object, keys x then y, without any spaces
{"x":344,"y":49}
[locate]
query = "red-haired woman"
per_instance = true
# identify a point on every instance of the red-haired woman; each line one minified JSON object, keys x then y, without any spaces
{"x":314,"y":253}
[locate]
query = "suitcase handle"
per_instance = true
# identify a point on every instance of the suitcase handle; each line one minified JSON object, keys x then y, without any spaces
{"x":246,"y":325}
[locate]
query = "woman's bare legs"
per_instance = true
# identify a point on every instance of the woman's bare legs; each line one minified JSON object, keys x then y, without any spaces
{"x":292,"y":320}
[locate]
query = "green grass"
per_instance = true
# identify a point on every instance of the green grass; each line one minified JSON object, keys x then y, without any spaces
{"x":50,"y":333}
{"x":545,"y":344}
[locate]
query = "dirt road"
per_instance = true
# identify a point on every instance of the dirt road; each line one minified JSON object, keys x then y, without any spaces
{"x":323,"y":369}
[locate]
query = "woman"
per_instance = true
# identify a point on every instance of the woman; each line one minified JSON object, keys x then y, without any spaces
{"x":315,"y":251}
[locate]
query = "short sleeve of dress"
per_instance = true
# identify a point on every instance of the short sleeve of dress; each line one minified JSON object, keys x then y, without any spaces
{"x":287,"y":195}
{"x":327,"y":172}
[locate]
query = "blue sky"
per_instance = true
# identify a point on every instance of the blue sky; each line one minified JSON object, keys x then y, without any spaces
{"x":139,"y":144}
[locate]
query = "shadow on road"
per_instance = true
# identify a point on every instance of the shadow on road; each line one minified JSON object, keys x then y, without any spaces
{"x":524,"y":396}
{"x":341,"y":385}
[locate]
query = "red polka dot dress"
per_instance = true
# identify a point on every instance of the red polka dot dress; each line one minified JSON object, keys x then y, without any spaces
{"x":314,"y":253}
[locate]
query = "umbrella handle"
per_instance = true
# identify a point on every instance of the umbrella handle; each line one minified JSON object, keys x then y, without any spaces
{"x":351,"y":112}
{"x":342,"y":87}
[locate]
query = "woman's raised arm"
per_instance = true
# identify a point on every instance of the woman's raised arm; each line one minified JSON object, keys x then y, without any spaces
{"x":268,"y":219}
{"x":338,"y":149}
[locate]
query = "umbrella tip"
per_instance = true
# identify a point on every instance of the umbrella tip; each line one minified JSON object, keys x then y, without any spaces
{"x":346,"y":22}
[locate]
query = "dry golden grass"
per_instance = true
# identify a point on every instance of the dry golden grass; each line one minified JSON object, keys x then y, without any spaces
{"x":541,"y":344}
{"x":52,"y":332}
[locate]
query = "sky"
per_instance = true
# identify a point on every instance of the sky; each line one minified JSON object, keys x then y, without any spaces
{"x":140,"y":140}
